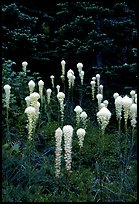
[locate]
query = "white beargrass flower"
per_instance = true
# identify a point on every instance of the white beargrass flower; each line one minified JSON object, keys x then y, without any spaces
{"x":7,"y":89}
{"x":93,"y":89}
{"x":103,"y":117}
{"x":37,"y":109}
{"x":68,"y":134}
{"x":58,"y":88}
{"x":52,"y":81}
{"x":78,"y":111}
{"x":41,"y":85}
{"x":132,"y":93}
{"x":31,"y":85}
{"x":118,"y":107}
{"x":93,"y":78}
{"x":31,"y":112}
{"x":79,"y":66}
{"x":63,"y":69}
{"x":81,"y":133}
{"x":60,"y":97}
{"x":58,"y":137}
{"x":126,"y":105}
{"x":24,"y":65}
{"x":48,"y":91}
{"x":106,"y":102}
{"x":101,"y":89}
{"x":83,"y":117}
{"x":28,"y":100}
{"x":115,"y":95}
{"x":82,"y":76}
{"x":71,"y":78}
{"x":34,"y":97}
{"x":133,"y":114}
{"x":99,"y":98}
{"x":98,"y":81}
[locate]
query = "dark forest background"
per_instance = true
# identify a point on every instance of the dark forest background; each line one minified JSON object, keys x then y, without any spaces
{"x":100,"y":34}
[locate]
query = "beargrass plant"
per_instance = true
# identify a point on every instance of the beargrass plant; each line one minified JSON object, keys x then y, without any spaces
{"x":84,"y":162}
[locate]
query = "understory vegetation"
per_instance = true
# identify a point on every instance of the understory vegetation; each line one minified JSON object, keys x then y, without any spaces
{"x":103,"y":165}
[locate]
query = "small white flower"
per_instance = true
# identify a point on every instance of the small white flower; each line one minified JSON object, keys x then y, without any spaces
{"x":30,"y":110}
{"x":41,"y":83}
{"x":24,"y":64}
{"x":103,"y":117}
{"x":115,"y":95}
{"x":58,"y":88}
{"x":81,"y":133}
{"x":34,"y":96}
{"x":31,"y":85}
{"x":106,"y":102}
{"x":52,"y":80}
{"x":7,"y":88}
{"x":78,"y":109}
{"x":28,"y":100}
{"x":63,"y":62}
{"x":68,"y":134}
{"x":97,"y":76}
{"x":83,"y":115}
{"x":101,"y":89}
{"x":60,"y":95}
{"x":49,"y":91}
{"x":118,"y":107}
{"x":94,"y":78}
{"x":79,"y":66}
{"x":58,"y":137}
{"x":132,"y":93}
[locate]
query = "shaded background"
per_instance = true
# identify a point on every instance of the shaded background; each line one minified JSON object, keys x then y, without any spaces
{"x":100,"y":34}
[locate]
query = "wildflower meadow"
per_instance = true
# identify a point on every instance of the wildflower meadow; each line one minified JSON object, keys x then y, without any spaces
{"x":66,"y":142}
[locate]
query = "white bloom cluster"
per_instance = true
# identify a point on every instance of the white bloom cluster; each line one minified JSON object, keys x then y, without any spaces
{"x":78,"y":111}
{"x":99,"y":98}
{"x":30,"y":111}
{"x":118,"y":107}
{"x":79,"y":66}
{"x":24,"y":65}
{"x":28,"y":101}
{"x":58,"y":88}
{"x":101,"y":89}
{"x":103,"y":117}
{"x":133,"y":114}
{"x":126,"y":106}
{"x":52,"y":81}
{"x":7,"y":89}
{"x":71,"y":78}
{"x":48,"y":91}
{"x":58,"y":137}
{"x":132,"y":93}
{"x":115,"y":95}
{"x":60,"y":97}
{"x":93,"y":89}
{"x":98,"y":81}
{"x":81,"y":133}
{"x":31,"y":85}
{"x":68,"y":133}
{"x":81,"y":72}
{"x":83,"y":117}
{"x":41,"y":85}
{"x":63,"y":70}
{"x":106,"y":102}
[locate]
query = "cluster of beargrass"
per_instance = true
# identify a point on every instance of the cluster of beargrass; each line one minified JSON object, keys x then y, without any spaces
{"x":57,"y":146}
